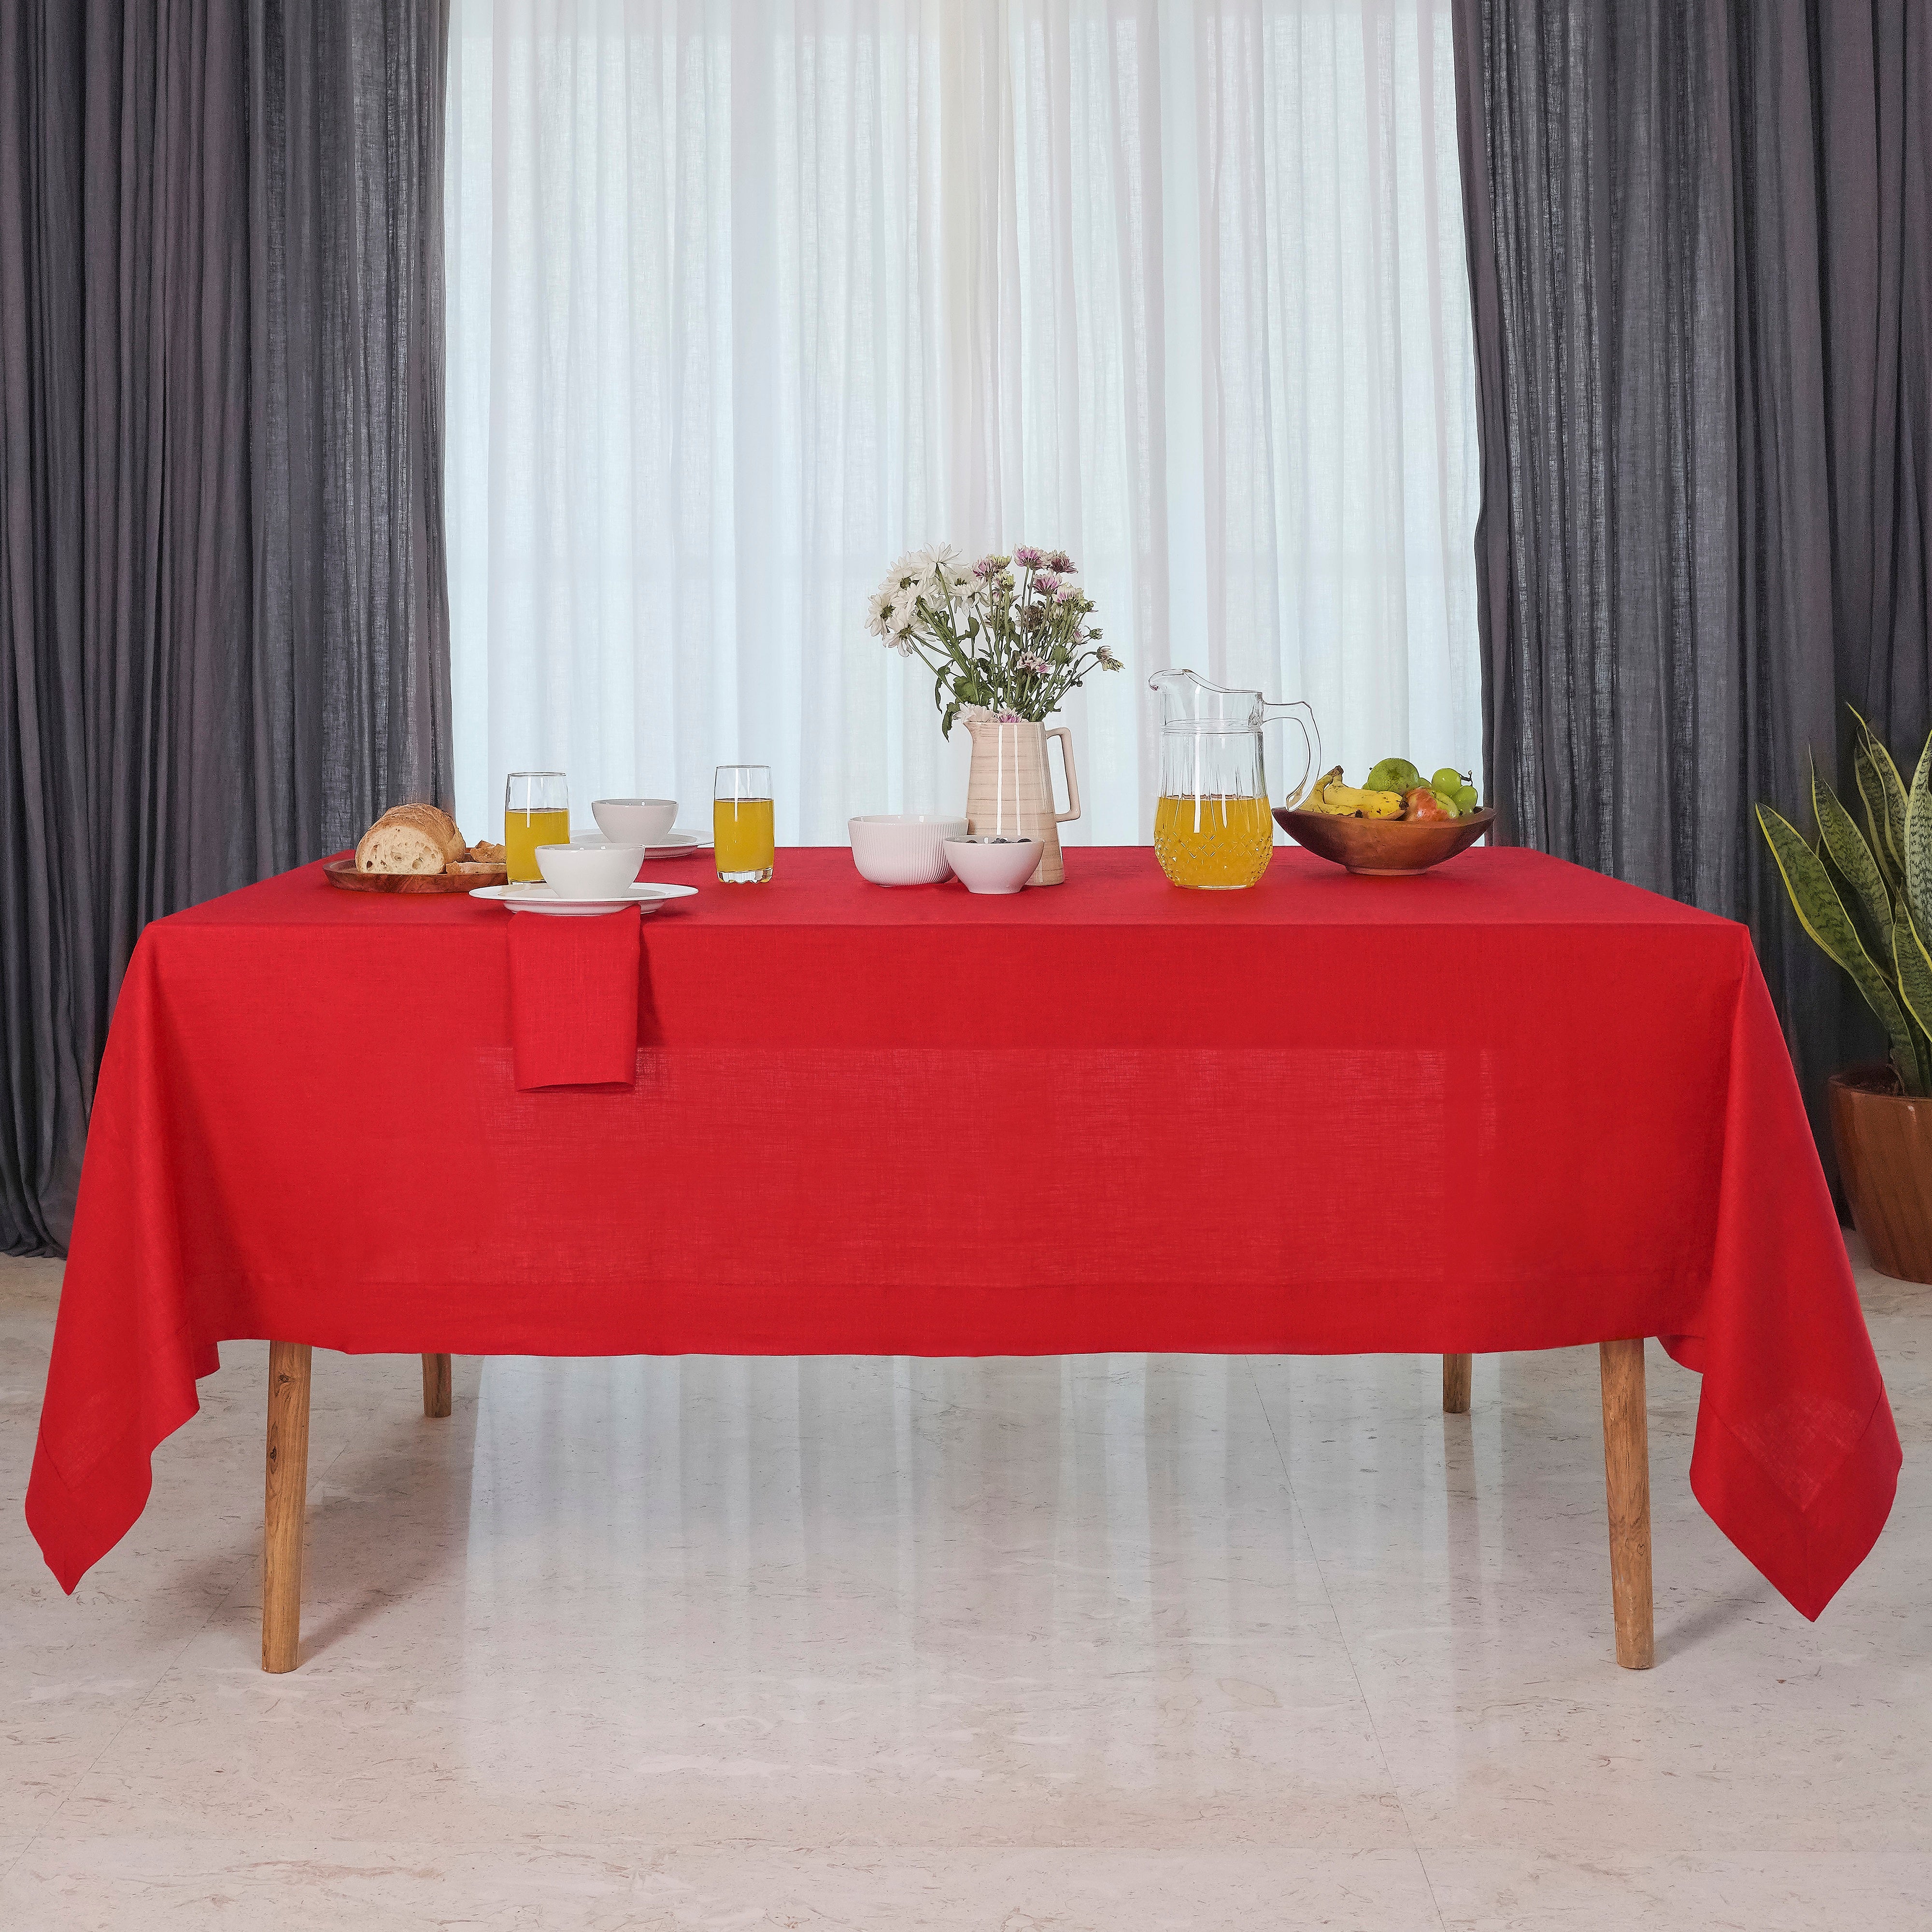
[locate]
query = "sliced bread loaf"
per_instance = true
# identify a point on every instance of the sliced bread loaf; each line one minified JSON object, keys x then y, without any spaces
{"x":410,"y":838}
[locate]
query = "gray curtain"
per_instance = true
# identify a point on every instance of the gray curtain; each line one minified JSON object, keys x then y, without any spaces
{"x":1700,"y":251}
{"x":223,"y":633}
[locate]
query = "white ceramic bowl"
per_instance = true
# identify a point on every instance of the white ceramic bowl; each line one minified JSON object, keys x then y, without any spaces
{"x":590,"y":871}
{"x":985,"y":865}
{"x":635,"y":821}
{"x":903,"y":848}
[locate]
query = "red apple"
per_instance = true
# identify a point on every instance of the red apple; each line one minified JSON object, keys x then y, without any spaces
{"x":1424,"y":807}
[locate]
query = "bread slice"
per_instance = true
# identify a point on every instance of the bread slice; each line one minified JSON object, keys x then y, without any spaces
{"x":410,"y":838}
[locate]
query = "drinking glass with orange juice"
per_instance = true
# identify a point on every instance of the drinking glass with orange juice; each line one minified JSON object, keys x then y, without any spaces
{"x":536,"y":812}
{"x":742,"y":824}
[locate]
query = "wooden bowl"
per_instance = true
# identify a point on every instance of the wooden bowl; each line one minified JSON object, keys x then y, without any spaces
{"x":1383,"y":848}
{"x":342,"y":872}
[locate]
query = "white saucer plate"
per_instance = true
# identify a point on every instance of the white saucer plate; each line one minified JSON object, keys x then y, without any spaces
{"x":668,"y":846}
{"x":536,"y":897}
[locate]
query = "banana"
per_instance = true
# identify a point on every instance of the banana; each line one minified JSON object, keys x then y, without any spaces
{"x":1348,"y":801}
{"x":1312,"y":800}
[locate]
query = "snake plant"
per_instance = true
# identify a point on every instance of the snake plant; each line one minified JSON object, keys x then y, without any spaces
{"x":1866,"y":895}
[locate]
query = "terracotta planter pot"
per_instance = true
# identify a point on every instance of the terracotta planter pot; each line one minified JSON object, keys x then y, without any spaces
{"x":1885,"y":1153}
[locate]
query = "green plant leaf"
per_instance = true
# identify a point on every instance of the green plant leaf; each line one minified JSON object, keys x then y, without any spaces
{"x":1871,"y":794}
{"x":1847,"y":898}
{"x":1914,"y":967}
{"x":1918,"y":843}
{"x":1922,"y":1041}
{"x":1822,"y":914}
{"x":1914,"y":985}
{"x":1843,"y":840}
{"x":1892,"y":790}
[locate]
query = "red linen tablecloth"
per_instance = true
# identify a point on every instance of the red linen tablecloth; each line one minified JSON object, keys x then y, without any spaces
{"x":1510,"y":1105}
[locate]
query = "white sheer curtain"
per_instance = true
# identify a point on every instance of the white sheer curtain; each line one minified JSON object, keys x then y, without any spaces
{"x":745,"y":299}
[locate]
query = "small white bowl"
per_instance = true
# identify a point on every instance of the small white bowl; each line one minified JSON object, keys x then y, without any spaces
{"x":590,"y":871}
{"x":635,"y":821}
{"x":903,"y":848}
{"x":989,"y":866}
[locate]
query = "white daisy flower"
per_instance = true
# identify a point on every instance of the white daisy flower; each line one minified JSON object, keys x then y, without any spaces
{"x":939,"y":577}
{"x":879,"y":611}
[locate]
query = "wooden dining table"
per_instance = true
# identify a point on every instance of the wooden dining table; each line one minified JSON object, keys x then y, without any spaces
{"x":1506,"y":1105}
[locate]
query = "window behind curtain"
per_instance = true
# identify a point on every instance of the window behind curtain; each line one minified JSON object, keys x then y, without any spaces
{"x":744,"y":301}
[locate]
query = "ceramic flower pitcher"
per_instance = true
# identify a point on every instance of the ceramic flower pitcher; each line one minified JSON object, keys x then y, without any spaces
{"x":1009,"y":794}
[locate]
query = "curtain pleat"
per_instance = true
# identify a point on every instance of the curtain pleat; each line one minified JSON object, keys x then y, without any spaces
{"x":222,"y":603}
{"x":1698,"y":257}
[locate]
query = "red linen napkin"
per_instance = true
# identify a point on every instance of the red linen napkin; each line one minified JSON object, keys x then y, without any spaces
{"x":574,"y":999}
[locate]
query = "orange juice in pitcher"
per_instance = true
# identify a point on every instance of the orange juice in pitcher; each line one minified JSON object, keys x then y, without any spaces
{"x":1214,"y":842}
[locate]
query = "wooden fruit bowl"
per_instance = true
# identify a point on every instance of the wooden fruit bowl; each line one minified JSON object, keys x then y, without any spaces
{"x":1383,"y":848}
{"x":342,"y":872}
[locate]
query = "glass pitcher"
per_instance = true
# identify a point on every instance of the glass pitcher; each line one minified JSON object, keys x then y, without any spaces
{"x":1213,"y":827}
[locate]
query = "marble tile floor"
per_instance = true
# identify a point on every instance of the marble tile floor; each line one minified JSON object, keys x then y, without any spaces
{"x":1116,"y":1642}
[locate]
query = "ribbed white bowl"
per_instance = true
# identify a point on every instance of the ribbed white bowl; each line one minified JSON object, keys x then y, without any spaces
{"x":903,"y":848}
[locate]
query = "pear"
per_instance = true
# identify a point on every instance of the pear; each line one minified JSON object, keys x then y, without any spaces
{"x":1395,"y":775}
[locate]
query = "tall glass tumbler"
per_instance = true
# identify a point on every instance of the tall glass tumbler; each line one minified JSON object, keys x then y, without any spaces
{"x":536,"y":812}
{"x":741,"y":824}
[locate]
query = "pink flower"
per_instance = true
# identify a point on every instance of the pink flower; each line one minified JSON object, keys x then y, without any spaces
{"x":1028,"y":558}
{"x":1062,"y":562}
{"x":1046,"y":583}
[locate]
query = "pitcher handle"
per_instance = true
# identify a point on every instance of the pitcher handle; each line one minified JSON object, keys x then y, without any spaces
{"x":1065,"y":738}
{"x":1311,"y":743}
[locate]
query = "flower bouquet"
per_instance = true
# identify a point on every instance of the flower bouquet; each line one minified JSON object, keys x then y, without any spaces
{"x":1007,"y":638}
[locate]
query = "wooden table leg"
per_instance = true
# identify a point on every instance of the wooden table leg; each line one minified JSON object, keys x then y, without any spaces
{"x":285,"y":1507}
{"x":436,"y":1385}
{"x":1626,"y":1478}
{"x":1455,"y":1372}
